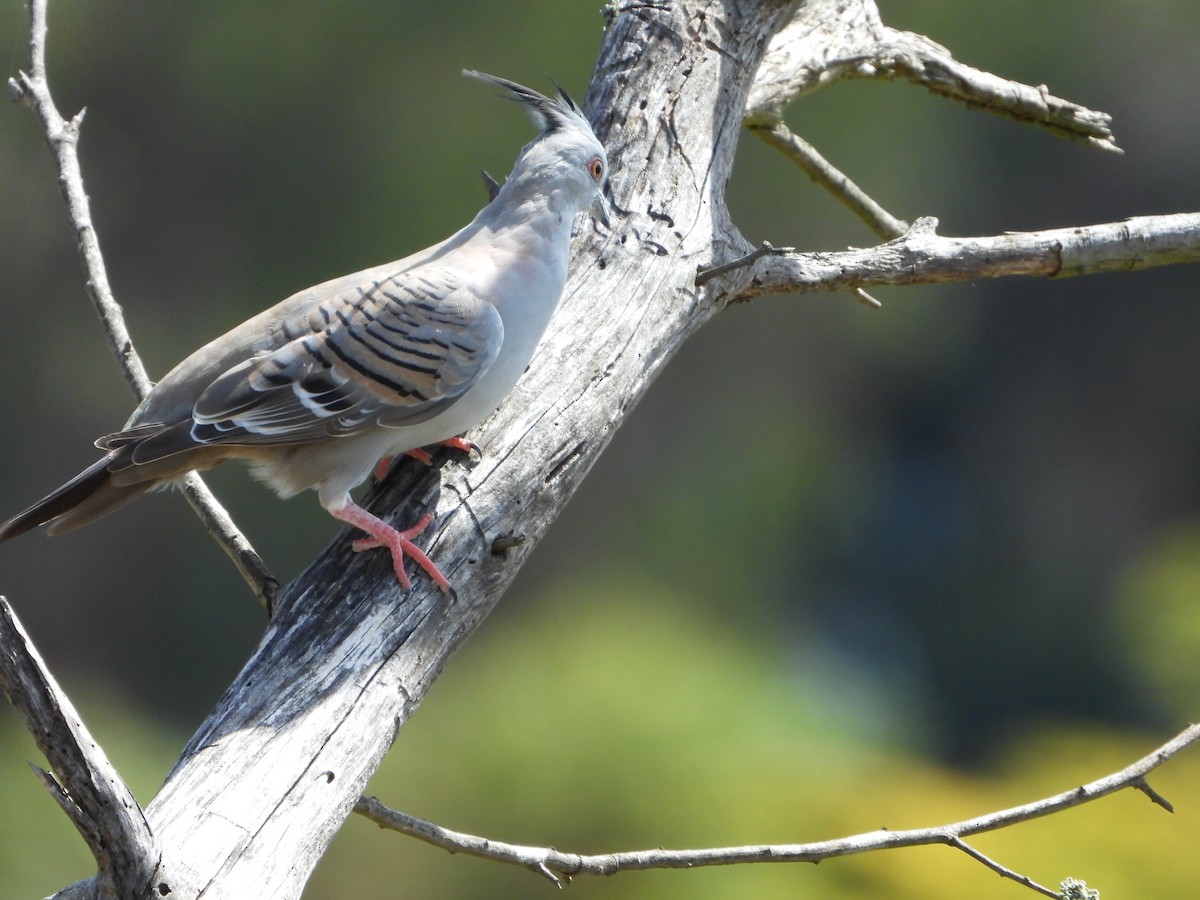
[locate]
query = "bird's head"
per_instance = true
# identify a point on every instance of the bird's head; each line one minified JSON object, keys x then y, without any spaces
{"x":566,"y":159}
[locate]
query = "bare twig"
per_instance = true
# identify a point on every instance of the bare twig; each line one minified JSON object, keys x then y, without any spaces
{"x":866,"y":299}
{"x":542,"y":861}
{"x":829,"y":40}
{"x":556,"y":864}
{"x":88,"y":788}
{"x":922,"y":256}
{"x":824,"y":173}
{"x":1155,"y":797}
{"x":1002,"y":871}
{"x":221,"y":527}
{"x":703,"y":276}
{"x":33,"y":89}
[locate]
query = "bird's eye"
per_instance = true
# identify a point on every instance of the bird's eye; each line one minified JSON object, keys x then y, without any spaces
{"x":595,"y":168}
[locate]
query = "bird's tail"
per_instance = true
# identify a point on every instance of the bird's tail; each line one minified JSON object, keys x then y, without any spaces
{"x":85,"y":498}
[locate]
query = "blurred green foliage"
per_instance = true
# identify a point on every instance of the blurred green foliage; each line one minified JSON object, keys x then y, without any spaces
{"x":1158,"y":598}
{"x":841,"y":569}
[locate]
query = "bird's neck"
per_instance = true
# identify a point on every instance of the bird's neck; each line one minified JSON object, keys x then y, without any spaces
{"x":523,"y":214}
{"x":540,"y":187}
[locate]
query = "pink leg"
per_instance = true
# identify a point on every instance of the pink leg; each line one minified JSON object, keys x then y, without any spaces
{"x":420,"y":455}
{"x":456,"y":443}
{"x":381,"y":468}
{"x":398,"y":542}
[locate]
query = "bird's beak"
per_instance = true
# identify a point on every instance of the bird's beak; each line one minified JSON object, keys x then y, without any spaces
{"x":601,"y":209}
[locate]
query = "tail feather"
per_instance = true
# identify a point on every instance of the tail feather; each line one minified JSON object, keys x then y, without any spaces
{"x":83,"y":499}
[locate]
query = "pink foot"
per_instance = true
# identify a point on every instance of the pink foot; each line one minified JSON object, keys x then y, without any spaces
{"x":459,"y":443}
{"x":399,"y":543}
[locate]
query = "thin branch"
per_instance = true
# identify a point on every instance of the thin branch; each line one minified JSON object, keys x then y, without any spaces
{"x":703,"y":276}
{"x":547,"y":862}
{"x":828,"y":40}
{"x":882,"y":223}
{"x":922,"y":256}
{"x":1155,"y":797}
{"x":1002,"y":871}
{"x":866,"y":299}
{"x":88,"y":788}
{"x":556,"y":864}
{"x":222,"y":529}
{"x":62,"y":136}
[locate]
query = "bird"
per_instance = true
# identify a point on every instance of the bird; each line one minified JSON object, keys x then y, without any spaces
{"x":313,"y":392}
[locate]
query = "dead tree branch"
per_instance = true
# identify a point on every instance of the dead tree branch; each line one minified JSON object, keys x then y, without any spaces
{"x":556,"y":864}
{"x":828,"y":40}
{"x":921,"y":256}
{"x":88,"y":788}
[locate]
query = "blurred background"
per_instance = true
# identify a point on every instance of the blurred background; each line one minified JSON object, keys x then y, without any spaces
{"x":842,"y":569}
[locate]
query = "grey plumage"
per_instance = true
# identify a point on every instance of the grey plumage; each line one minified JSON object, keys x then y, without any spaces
{"x":313,"y":391}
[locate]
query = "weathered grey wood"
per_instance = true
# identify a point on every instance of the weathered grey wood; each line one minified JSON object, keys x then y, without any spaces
{"x":921,"y":256}
{"x":828,"y":40}
{"x":88,"y":789}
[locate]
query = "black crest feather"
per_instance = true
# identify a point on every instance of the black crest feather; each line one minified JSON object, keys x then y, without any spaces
{"x":550,"y":114}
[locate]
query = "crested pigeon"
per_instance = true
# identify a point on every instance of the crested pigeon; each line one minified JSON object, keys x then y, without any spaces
{"x":314,"y":391}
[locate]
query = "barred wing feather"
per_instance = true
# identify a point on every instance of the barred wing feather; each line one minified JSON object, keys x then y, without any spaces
{"x":392,"y":353}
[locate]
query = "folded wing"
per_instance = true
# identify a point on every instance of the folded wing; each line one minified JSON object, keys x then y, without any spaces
{"x":394,"y":352}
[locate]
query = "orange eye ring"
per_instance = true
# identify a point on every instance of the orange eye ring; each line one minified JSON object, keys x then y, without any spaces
{"x":595,"y":168}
